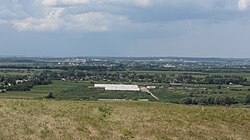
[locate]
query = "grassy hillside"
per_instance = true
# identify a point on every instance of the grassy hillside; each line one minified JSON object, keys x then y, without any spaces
{"x":47,"y":119}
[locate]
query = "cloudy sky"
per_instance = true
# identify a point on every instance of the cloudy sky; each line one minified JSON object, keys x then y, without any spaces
{"x":207,"y":28}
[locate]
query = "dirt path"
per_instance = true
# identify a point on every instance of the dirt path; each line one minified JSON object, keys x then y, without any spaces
{"x":144,"y":89}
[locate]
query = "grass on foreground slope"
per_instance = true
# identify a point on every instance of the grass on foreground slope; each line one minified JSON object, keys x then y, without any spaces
{"x":47,"y":119}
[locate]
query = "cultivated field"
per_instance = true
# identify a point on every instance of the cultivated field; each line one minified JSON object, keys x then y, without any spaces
{"x":49,"y":119}
{"x":84,"y":90}
{"x":73,"y":90}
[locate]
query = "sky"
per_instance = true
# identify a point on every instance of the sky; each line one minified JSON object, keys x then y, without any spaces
{"x":143,"y":28}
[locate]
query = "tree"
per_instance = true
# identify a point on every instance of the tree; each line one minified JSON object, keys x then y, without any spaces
{"x":50,"y":96}
{"x":247,"y":99}
{"x":187,"y":101}
{"x":219,"y":87}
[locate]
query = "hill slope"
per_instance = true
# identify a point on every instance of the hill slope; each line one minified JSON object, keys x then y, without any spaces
{"x":44,"y":119}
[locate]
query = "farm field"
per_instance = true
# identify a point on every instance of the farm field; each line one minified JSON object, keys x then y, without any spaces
{"x":50,"y":119}
{"x":84,"y":90}
{"x":73,"y":90}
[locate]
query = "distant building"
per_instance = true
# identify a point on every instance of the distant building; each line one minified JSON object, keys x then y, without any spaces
{"x":2,"y":90}
{"x":118,"y":87}
{"x":175,"y":84}
{"x":20,"y":81}
{"x":111,"y":99}
{"x":151,"y":87}
{"x":143,"y":100}
{"x":79,"y":61}
{"x":98,"y":60}
{"x":63,"y":79}
{"x":169,"y":66}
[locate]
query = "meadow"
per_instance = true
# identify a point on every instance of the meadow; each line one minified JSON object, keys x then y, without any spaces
{"x":51,"y":120}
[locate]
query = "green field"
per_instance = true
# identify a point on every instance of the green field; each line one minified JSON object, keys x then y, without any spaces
{"x":49,"y":119}
{"x":84,"y":90}
{"x":74,"y":90}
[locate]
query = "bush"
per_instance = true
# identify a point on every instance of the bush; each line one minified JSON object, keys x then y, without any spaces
{"x":187,"y":101}
{"x":50,"y":96}
{"x":247,"y":99}
{"x":222,"y":100}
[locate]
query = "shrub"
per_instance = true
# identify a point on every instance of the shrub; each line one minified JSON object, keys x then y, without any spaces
{"x":50,"y":96}
{"x":247,"y":99}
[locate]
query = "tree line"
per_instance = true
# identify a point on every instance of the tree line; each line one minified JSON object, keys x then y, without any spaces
{"x":214,"y":100}
{"x":74,"y":74}
{"x":9,"y":82}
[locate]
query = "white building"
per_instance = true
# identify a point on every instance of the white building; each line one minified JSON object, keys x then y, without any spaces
{"x":21,"y":81}
{"x":175,"y":84}
{"x":118,"y":87}
{"x":143,"y":100}
{"x":151,"y":87}
{"x":169,"y":66}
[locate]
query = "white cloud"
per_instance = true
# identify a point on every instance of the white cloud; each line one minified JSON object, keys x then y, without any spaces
{"x":95,"y":22}
{"x":3,"y":21}
{"x":87,"y":22}
{"x":49,"y":23}
{"x":4,"y":12}
{"x":109,"y":15}
{"x":243,"y":4}
{"x":138,"y":3}
{"x":143,"y":2}
{"x":63,"y":2}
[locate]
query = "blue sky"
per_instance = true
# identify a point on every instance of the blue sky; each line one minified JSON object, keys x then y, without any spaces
{"x":199,"y":28}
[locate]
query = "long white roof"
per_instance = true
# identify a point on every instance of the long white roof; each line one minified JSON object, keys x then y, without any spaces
{"x":119,"y":87}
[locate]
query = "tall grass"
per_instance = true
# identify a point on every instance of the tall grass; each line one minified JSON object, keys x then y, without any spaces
{"x":48,"y":119}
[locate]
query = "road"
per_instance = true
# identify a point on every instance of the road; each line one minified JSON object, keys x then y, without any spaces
{"x":144,"y":89}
